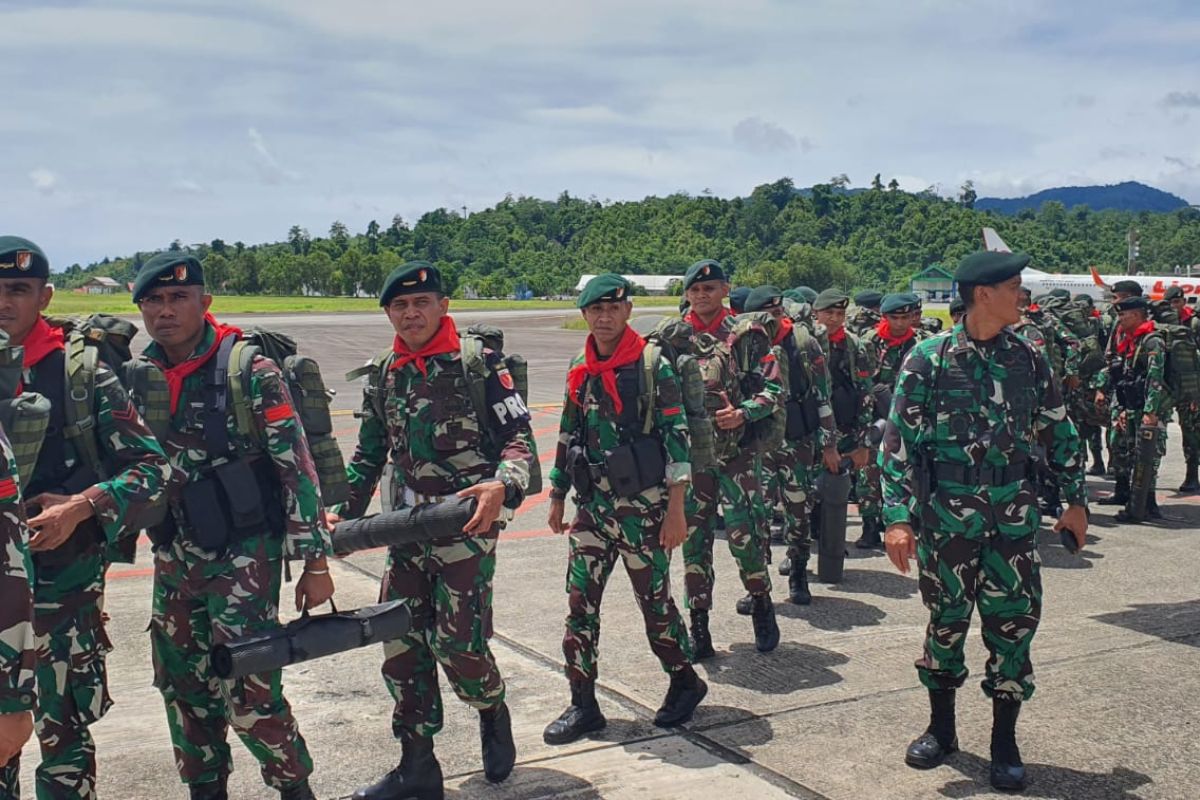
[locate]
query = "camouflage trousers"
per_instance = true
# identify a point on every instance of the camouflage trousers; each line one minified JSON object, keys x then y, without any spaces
{"x":10,"y":779}
{"x":448,"y":586}
{"x":1124,"y":445}
{"x":734,"y":487}
{"x":1189,"y":424}
{"x":867,"y":488}
{"x":72,"y":683}
{"x":977,"y":547}
{"x":604,"y":528}
{"x":201,"y":602}
{"x":787,"y":478}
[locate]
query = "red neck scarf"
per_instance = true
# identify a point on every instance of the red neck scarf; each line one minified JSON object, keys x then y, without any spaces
{"x":884,"y":329}
{"x":1096,"y":313}
{"x":1033,"y":307}
{"x":444,"y":341}
{"x":1127,"y":343}
{"x":711,"y":327}
{"x":41,"y":341}
{"x":175,"y":375}
{"x":629,"y":349}
{"x":1186,"y":313}
{"x":785,"y":330}
{"x":838,"y":336}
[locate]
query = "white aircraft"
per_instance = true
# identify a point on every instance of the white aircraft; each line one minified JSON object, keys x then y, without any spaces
{"x":1097,"y":285}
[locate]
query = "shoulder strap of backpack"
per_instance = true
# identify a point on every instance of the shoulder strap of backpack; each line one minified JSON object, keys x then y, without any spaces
{"x":81,"y":363}
{"x":651,"y":353}
{"x":217,"y":398}
{"x":241,"y":362}
{"x":374,"y":371}
{"x":475,"y":372}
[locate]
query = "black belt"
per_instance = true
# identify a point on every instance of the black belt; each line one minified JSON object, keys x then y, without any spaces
{"x":982,"y":475}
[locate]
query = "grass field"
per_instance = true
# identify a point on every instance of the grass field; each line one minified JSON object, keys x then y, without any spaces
{"x":577,"y":323}
{"x":71,"y":303}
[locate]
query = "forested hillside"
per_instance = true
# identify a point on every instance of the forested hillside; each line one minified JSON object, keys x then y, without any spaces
{"x":819,"y":236}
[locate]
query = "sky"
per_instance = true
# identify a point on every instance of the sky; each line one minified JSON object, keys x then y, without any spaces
{"x":131,"y":124}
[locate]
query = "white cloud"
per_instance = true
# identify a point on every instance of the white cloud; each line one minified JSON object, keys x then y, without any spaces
{"x":43,"y":180}
{"x":268,"y":168}
{"x":758,"y":136}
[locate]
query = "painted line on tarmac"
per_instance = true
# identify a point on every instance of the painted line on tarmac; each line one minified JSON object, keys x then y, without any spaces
{"x":543,"y":407}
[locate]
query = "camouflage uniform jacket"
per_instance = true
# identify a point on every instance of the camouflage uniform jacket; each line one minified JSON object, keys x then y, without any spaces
{"x":128,"y":449}
{"x":597,"y":416}
{"x":306,"y":535}
{"x":760,"y":387}
{"x":1147,"y":365}
{"x":436,"y":444}
{"x":860,"y":380}
{"x":16,"y":611}
{"x":809,"y":366}
{"x":1064,"y":356}
{"x":967,"y":403}
{"x":861,"y":320}
{"x":889,"y":358}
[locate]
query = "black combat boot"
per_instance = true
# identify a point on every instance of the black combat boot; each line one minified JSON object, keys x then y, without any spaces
{"x":417,"y":777}
{"x":683,"y":695}
{"x":582,"y":716}
{"x":213,"y":790}
{"x":745,"y":604}
{"x":702,"y":646}
{"x":766,"y":629}
{"x":1120,"y":495}
{"x":798,"y":591}
{"x":499,"y":751}
{"x":297,"y":791}
{"x":1007,"y":772}
{"x":1191,"y":481}
{"x":939,"y":740}
{"x":870,"y":535}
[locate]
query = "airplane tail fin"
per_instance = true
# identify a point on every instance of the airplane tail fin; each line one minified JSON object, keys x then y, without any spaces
{"x":993,"y":242}
{"x":1097,"y":280}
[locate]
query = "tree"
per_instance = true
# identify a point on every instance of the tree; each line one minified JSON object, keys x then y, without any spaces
{"x":339,"y":234}
{"x":840,"y":181}
{"x":373,"y":237}
{"x":876,"y":183}
{"x":893,"y":185}
{"x":966,"y":195}
{"x":299,"y":239}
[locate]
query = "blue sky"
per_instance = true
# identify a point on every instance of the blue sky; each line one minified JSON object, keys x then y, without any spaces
{"x":131,"y":124}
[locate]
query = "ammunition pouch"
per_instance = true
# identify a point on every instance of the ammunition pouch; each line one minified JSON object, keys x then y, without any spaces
{"x":583,"y":474}
{"x":883,"y":402}
{"x":803,"y":418}
{"x":845,"y":402}
{"x":633,"y":468}
{"x":1131,"y":393}
{"x":233,"y":501}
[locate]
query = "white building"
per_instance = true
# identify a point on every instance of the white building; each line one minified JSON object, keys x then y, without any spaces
{"x":653,"y":284}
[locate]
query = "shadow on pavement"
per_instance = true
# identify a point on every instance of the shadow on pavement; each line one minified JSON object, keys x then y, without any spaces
{"x":833,"y":613}
{"x":528,"y":783}
{"x":752,"y":730}
{"x":1046,"y":781}
{"x":884,"y":584}
{"x":792,"y":667}
{"x":1175,"y":621}
{"x":1055,"y":556}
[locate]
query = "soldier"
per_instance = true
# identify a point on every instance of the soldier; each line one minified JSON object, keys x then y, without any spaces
{"x":626,"y":454}
{"x":240,"y":505}
{"x":1135,"y":383}
{"x":426,"y":424}
{"x":87,"y":503}
{"x":754,"y":383}
{"x":789,"y":471}
{"x":1092,"y":432}
{"x":1063,"y":350}
{"x":958,"y":309}
{"x":1189,"y":414}
{"x":737,"y":299}
{"x":956,"y":460}
{"x":17,"y":656}
{"x":866,"y":312}
{"x":889,"y":341}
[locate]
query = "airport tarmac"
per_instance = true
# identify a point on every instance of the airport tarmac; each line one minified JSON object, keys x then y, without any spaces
{"x":828,"y":715}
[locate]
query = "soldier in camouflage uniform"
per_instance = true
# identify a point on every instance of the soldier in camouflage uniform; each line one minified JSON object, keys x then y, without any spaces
{"x":958,"y":310}
{"x":789,"y":472}
{"x":216,"y":579}
{"x":1134,"y":384}
{"x":866,"y":313}
{"x":17,"y":656}
{"x":82,"y":514}
{"x":889,"y":342}
{"x":1062,"y":349}
{"x":630,"y":487}
{"x":439,"y":449}
{"x":1189,"y":413}
{"x":736,"y":483}
{"x":956,"y":456}
{"x":1092,"y":433}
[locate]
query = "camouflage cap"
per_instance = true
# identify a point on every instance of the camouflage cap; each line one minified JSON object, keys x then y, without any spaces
{"x":987,"y":268}
{"x":737,"y":299}
{"x":1128,"y":287}
{"x":830,"y":298}
{"x":897,"y":304}
{"x":764,"y":298}
{"x":609,"y":286}
{"x":411,"y":278}
{"x":168,"y":269}
{"x":1173,"y":293}
{"x":706,"y":270}
{"x":868,"y":298}
{"x":1135,"y":303}
{"x":21,"y":258}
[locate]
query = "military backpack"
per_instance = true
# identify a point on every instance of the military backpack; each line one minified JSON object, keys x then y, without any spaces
{"x":669,"y":340}
{"x":24,"y":417}
{"x":1091,"y":355}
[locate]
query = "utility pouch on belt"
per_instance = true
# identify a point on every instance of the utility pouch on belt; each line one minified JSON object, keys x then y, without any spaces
{"x":802,"y":418}
{"x":244,"y":501}
{"x":845,"y":404}
{"x":203,"y":508}
{"x":634,"y":468}
{"x":164,"y":533}
{"x":580,"y":471}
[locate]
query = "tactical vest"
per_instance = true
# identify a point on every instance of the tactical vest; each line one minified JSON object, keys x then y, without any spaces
{"x":845,"y":395}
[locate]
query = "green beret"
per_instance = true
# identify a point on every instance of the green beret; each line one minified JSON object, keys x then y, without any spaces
{"x":987,"y":268}
{"x":957,"y":305}
{"x":897,"y":304}
{"x":808,"y":293}
{"x":1173,"y":292}
{"x":913,"y":298}
{"x":706,"y":270}
{"x":21,"y":258}
{"x":411,"y":278}
{"x":167,"y":269}
{"x":763,"y":298}
{"x":737,"y":299}
{"x":868,"y":299}
{"x":794,"y":295}
{"x":1135,"y":303}
{"x":1084,"y":298}
{"x":1063,"y":293}
{"x":1128,"y":287}
{"x":609,"y":286}
{"x":831,"y":298}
